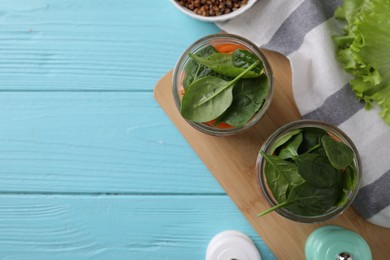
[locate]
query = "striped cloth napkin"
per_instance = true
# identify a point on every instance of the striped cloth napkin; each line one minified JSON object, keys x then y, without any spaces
{"x":302,"y":30}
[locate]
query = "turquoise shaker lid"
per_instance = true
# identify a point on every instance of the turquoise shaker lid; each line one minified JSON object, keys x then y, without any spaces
{"x":336,"y":243}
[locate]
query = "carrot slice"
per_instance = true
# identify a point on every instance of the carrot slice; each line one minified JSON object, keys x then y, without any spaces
{"x":228,"y":47}
{"x":220,"y":125}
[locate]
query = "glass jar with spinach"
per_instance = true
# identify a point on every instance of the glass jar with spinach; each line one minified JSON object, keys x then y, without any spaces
{"x":222,"y":84}
{"x":308,"y":171}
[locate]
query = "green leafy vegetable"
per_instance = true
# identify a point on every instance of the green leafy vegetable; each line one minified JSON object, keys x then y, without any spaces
{"x":207,"y":98}
{"x":244,"y":58}
{"x":194,"y":70}
{"x":228,"y":88}
{"x":222,"y":63}
{"x":340,"y":155}
{"x":284,"y":139}
{"x":249,"y":96}
{"x":282,"y":176}
{"x":349,"y":183}
{"x":363,"y":50}
{"x":317,"y":170}
{"x":308,"y":172}
{"x":349,"y":178}
{"x":290,"y":150}
{"x":202,"y":104}
{"x":307,"y":200}
{"x":311,"y":138}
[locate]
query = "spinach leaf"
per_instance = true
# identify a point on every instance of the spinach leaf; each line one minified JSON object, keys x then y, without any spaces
{"x":201,"y":104}
{"x":194,"y":70}
{"x":340,"y":155}
{"x":349,"y":183}
{"x":281,"y":176}
{"x":311,"y":137}
{"x":317,"y":170}
{"x":206,"y":51}
{"x":207,"y":98}
{"x":248,"y":98}
{"x":222,"y":64}
{"x":320,"y":150}
{"x":349,"y":178}
{"x":290,"y":149}
{"x":284,"y":139}
{"x":325,"y":166}
{"x":308,"y":200}
{"x":244,"y":58}
{"x":277,"y":206}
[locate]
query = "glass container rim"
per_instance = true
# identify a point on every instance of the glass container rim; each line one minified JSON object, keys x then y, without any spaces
{"x":181,"y":62}
{"x":294,"y":125}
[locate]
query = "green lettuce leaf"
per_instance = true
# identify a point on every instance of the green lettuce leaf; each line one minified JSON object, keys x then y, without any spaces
{"x":364,"y":50}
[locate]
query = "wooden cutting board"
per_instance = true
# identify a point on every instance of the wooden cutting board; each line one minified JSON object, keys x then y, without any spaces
{"x":232,"y":160}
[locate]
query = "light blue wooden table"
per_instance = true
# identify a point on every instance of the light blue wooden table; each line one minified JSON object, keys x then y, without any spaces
{"x":90,"y":166}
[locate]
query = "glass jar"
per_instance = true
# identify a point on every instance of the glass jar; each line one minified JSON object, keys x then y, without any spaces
{"x":215,"y":40}
{"x":268,"y":148}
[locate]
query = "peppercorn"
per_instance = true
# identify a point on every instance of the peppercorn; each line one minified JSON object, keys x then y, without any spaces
{"x":212,"y":7}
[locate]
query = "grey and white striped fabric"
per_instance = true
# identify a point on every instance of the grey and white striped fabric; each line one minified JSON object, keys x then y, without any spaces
{"x":302,"y":30}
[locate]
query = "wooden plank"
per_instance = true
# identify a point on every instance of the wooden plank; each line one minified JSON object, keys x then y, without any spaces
{"x":232,"y":162}
{"x":91,"y":45}
{"x":103,"y":142}
{"x":116,"y":227}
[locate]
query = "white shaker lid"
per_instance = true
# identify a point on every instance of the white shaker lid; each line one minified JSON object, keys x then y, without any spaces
{"x":232,"y":245}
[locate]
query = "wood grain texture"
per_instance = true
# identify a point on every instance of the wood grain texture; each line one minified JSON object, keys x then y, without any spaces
{"x":91,"y":45}
{"x":95,"y":142}
{"x":78,"y":126}
{"x":115,"y":227}
{"x":232,"y":162}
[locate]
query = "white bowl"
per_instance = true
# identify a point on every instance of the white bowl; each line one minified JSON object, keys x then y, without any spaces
{"x":219,"y":18}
